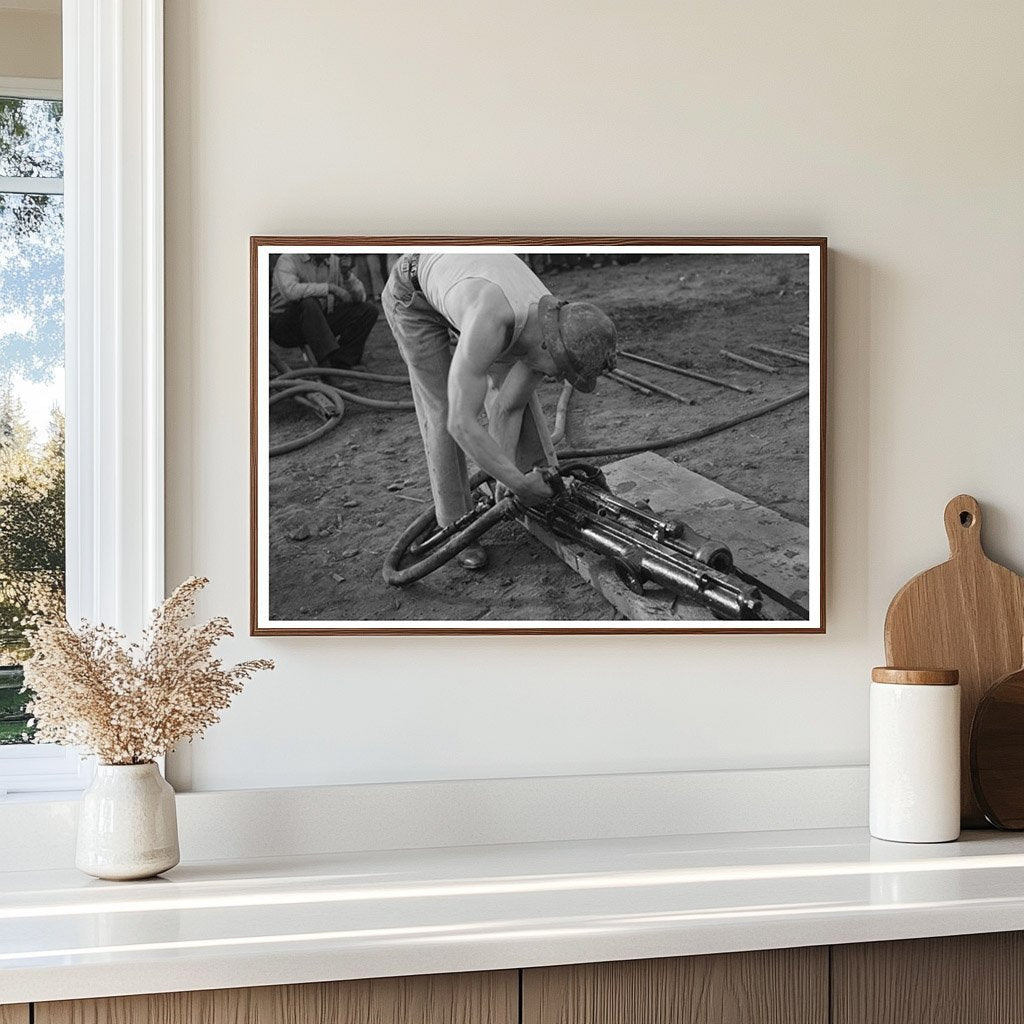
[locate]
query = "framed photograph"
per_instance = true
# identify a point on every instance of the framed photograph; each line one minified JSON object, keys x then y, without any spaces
{"x":537,"y":435}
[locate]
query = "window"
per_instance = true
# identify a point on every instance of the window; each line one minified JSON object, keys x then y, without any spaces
{"x":32,"y":532}
{"x":113,"y":329}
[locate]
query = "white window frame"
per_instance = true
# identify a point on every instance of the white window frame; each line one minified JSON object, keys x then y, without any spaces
{"x":114,"y":325}
{"x":31,"y":89}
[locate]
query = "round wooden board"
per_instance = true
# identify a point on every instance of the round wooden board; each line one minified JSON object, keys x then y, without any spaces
{"x":997,"y":752}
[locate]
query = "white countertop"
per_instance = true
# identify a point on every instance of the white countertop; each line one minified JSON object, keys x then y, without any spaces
{"x":352,"y":915}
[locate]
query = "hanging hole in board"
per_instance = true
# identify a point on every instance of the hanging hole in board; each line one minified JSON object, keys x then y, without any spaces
{"x":966,"y":519}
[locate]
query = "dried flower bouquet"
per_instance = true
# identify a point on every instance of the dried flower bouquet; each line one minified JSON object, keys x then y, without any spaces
{"x":130,"y":703}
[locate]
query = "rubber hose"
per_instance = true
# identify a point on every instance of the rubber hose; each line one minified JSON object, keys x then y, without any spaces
{"x":396,"y":577}
{"x":296,"y":384}
{"x":301,"y":442}
{"x":330,"y":371}
{"x":297,"y":390}
{"x":562,"y":413}
{"x":678,"y":439}
{"x":370,"y":403}
{"x":305,"y":387}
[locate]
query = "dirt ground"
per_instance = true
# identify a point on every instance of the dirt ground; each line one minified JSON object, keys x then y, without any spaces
{"x":333,"y":517}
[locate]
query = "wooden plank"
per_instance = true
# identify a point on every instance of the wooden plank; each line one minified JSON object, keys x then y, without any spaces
{"x":778,"y":986}
{"x":480,"y":998}
{"x":763,"y":542}
{"x":14,"y":1014}
{"x":961,"y":979}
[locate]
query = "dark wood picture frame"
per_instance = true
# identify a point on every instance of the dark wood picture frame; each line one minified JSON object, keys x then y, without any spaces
{"x":817,"y":625}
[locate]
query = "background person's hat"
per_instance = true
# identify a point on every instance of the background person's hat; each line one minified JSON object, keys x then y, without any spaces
{"x":580,"y":338}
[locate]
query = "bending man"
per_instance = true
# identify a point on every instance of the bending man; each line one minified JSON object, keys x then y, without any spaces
{"x":510,"y":333}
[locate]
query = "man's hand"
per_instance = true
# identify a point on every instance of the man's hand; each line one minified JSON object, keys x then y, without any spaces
{"x":534,"y":489}
{"x":340,"y":293}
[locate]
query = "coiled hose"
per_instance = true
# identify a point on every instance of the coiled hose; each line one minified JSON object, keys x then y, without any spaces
{"x":426,"y":523}
{"x":296,"y":384}
{"x":301,"y":390}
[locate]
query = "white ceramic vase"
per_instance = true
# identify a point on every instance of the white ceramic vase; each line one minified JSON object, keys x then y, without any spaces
{"x":127,"y":825}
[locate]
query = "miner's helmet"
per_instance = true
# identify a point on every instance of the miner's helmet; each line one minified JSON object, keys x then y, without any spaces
{"x":580,"y":338}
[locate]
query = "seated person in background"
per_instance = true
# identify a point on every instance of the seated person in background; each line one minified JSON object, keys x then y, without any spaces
{"x":317,"y":300}
{"x":377,"y":271}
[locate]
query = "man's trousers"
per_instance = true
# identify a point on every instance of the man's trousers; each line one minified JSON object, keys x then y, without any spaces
{"x":344,"y":329}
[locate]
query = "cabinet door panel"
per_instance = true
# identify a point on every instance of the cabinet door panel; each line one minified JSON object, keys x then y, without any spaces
{"x":779,"y":986}
{"x":960,"y":979}
{"x":490,"y":998}
{"x":14,"y":1014}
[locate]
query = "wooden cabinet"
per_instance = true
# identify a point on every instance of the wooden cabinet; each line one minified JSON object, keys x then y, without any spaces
{"x":491,"y":998}
{"x":778,"y":986}
{"x":962,"y":979}
{"x":968,"y":979}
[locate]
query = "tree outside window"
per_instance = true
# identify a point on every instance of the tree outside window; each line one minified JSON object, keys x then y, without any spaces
{"x":32,"y":543}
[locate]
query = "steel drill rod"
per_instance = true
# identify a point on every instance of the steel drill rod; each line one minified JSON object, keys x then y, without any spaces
{"x":685,"y":373}
{"x":644,"y":383}
{"x":612,"y":375}
{"x":795,"y":356}
{"x":748,"y":362}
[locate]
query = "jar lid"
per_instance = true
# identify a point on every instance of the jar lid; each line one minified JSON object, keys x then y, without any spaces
{"x":916,"y":676}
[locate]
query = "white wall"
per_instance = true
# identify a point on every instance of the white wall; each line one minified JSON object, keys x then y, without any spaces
{"x":895,"y":129}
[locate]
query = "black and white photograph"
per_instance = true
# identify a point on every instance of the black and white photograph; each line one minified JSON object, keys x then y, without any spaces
{"x":537,"y":435}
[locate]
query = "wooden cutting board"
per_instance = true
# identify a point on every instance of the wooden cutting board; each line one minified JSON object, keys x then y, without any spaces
{"x":967,"y":614}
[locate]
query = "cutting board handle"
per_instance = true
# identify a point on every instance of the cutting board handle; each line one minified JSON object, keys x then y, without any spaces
{"x":963,"y":527}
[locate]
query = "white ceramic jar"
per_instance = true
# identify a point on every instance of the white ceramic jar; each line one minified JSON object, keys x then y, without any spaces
{"x":915,"y":755}
{"x":127,"y":823}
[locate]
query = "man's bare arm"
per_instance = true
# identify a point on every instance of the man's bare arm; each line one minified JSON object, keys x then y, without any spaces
{"x":505,"y":414}
{"x":348,"y":287}
{"x":355,"y":286}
